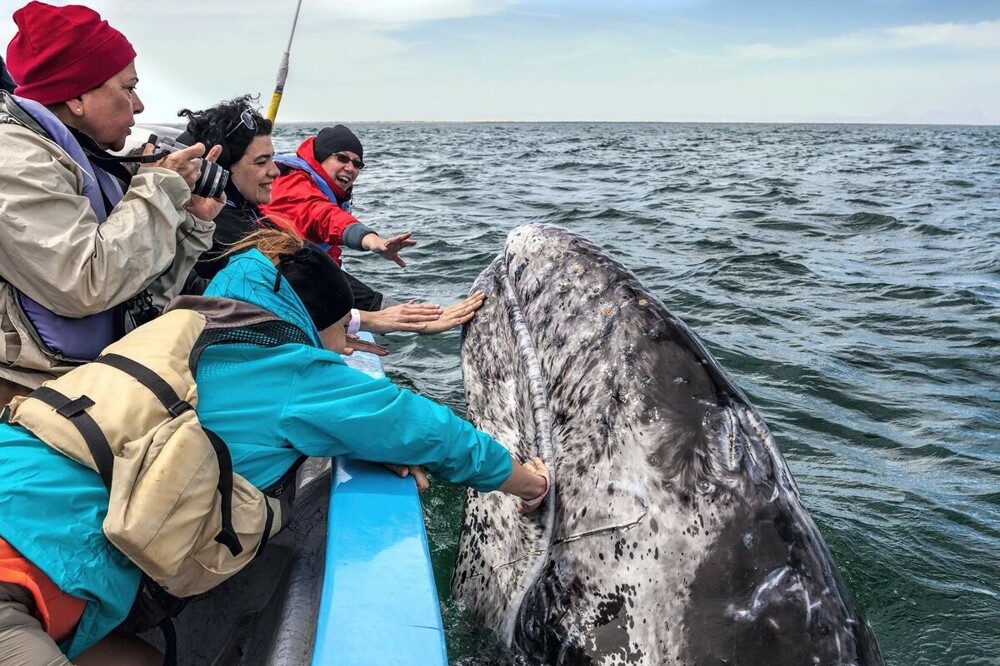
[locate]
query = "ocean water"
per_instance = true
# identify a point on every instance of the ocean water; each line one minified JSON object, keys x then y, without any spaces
{"x":846,"y":276}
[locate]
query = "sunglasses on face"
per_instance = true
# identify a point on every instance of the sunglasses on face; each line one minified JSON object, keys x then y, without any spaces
{"x":246,"y":120}
{"x":344,"y":159}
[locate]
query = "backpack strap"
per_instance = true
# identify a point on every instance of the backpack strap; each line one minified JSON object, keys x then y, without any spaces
{"x":75,"y":411}
{"x":227,"y":535}
{"x":169,"y":640}
{"x":154,"y":608}
{"x":160,"y":388}
{"x":173,"y":404}
{"x":268,"y":524}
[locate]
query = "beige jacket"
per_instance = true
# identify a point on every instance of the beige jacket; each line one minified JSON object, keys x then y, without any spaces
{"x":53,"y":249}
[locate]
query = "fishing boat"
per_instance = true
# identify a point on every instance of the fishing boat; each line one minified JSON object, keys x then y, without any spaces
{"x":348,"y":583}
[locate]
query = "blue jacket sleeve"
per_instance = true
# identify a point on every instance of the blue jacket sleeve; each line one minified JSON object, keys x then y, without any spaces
{"x":332,"y":409}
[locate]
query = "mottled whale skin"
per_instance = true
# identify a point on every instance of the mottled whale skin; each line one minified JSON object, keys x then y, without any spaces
{"x":674,"y":533}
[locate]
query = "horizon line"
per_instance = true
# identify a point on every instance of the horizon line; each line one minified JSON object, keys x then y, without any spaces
{"x":901,"y":123}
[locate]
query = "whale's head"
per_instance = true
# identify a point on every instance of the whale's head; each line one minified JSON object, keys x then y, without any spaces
{"x":674,"y":532}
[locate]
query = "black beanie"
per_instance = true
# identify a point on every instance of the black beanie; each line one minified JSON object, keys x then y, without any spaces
{"x":335,"y":139}
{"x":319,"y":282}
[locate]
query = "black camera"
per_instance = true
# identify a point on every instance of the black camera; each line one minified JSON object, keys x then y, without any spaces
{"x":213,"y":179}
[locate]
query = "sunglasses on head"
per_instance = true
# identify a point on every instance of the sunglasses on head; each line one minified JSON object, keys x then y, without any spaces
{"x":344,"y":159}
{"x":247,"y":120}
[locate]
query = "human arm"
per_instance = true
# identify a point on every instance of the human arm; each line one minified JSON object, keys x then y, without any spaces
{"x":529,"y":481}
{"x":335,"y":410}
{"x":193,"y":239}
{"x":389,"y":248}
{"x":52,"y":247}
{"x":406,"y":317}
{"x":370,"y":301}
{"x":455,"y":315}
{"x":356,"y":344}
{"x":188,"y":164}
{"x":423,"y":318}
{"x":298,"y":204}
{"x":416,"y":471}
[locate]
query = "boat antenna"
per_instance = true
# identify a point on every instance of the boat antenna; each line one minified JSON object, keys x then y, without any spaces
{"x":279,"y":87}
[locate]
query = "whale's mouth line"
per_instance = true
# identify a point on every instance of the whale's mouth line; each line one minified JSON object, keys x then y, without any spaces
{"x":542,"y":417}
{"x":597,"y":531}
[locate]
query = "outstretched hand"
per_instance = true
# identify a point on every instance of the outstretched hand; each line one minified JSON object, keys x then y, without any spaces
{"x":389,"y":248}
{"x":406,"y":317}
{"x":536,"y":466}
{"x":356,"y":344}
{"x":416,"y":471}
{"x":456,"y":315}
{"x":530,"y":481}
{"x":421,"y":318}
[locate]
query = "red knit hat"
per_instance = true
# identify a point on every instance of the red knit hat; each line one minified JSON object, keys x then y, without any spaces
{"x":62,"y":52}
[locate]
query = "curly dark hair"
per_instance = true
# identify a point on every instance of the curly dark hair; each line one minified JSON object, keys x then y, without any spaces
{"x":223,"y":125}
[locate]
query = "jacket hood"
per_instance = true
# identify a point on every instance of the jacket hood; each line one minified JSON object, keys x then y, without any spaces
{"x":250,"y":277}
{"x":307,"y":151}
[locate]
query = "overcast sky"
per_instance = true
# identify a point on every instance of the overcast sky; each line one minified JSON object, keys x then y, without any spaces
{"x":933,"y":61}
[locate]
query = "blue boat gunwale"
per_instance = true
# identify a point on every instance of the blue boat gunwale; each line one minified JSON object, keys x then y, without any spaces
{"x":379,"y":602}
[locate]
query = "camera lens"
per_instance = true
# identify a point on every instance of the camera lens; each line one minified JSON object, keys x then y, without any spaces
{"x":212,"y":181}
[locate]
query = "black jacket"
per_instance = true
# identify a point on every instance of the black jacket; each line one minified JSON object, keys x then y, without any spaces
{"x":238,"y":219}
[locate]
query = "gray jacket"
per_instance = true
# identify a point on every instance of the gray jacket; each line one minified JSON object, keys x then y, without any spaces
{"x":54,"y":250}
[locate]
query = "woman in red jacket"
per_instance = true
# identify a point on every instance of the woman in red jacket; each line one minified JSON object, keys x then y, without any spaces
{"x":314,"y":192}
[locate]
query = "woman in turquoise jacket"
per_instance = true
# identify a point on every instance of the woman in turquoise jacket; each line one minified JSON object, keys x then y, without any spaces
{"x":291,"y":400}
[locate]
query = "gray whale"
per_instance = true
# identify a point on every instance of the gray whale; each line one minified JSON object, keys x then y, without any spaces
{"x":674,"y":533}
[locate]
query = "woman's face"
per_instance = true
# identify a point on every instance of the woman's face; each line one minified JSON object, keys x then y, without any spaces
{"x":334,"y":336}
{"x":107,"y":113}
{"x":341,"y":169}
{"x":255,"y":171}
